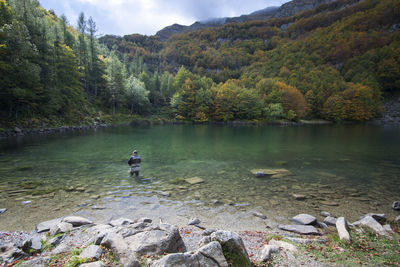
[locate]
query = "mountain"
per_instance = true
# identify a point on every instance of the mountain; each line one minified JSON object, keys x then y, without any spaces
{"x":286,"y":10}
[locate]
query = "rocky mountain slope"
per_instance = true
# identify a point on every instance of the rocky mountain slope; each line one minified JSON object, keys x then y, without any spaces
{"x":286,"y":10}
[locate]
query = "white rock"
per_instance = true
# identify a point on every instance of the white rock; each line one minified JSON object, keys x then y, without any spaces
{"x":45,"y":226}
{"x":341,"y":226}
{"x":282,"y":244}
{"x":232,"y":243}
{"x":330,"y":221}
{"x":373,"y":224}
{"x":265,"y":252}
{"x":60,"y":228}
{"x":91,"y":252}
{"x":193,"y":221}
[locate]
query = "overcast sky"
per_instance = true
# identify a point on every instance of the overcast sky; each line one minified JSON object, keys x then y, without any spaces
{"x":122,"y":17}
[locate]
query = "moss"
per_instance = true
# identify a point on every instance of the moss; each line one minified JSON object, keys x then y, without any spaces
{"x":236,"y":260}
{"x":75,"y":261}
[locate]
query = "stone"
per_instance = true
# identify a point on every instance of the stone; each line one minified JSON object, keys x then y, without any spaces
{"x":381,"y":218}
{"x":370,"y":222}
{"x":121,"y":250}
{"x":299,"y":197}
{"x":341,"y":226}
{"x":210,"y":255}
{"x":60,"y":228}
{"x":304,"y":219}
{"x":397,"y":219}
{"x":265,"y":252}
{"x":144,"y":220}
{"x":157,"y":240}
{"x":325,"y":213}
{"x":2,"y":211}
{"x":9,"y":253}
{"x":93,"y":264}
{"x":98,"y":208}
{"x":120,"y":222}
{"x":331,"y":221}
{"x":194,"y":221}
{"x":300,"y":229}
{"x":282,"y":244}
{"x":45,"y":226}
{"x":204,"y":241}
{"x":92,"y":252}
{"x":17,"y":130}
{"x":32,"y":244}
{"x":329,"y":203}
{"x":388,"y":228}
{"x":259,"y":215}
{"x":322,"y":225}
{"x":37,"y":262}
{"x":77,"y":221}
{"x":194,"y":180}
{"x":208,"y":231}
{"x":396,"y":205}
{"x":26,"y":202}
{"x":232,"y":244}
{"x":273,"y":173}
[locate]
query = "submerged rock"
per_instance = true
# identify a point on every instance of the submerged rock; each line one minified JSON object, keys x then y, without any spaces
{"x":194,"y":180}
{"x":259,"y":215}
{"x":300,"y":229}
{"x":299,"y":197}
{"x":341,"y":226}
{"x":329,"y":203}
{"x":304,"y":219}
{"x":275,"y":173}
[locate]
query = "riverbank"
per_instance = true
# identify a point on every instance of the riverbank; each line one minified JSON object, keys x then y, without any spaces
{"x":77,"y":241}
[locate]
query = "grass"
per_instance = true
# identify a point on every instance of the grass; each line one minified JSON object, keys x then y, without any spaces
{"x":367,"y":249}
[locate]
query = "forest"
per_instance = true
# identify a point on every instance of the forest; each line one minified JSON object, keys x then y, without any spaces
{"x":336,"y":62}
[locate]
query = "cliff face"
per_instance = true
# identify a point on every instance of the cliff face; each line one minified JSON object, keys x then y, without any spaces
{"x":286,"y":10}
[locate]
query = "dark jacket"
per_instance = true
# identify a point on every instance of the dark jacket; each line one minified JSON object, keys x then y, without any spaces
{"x":134,"y":160}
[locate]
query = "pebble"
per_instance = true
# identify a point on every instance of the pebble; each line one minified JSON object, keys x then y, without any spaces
{"x":2,"y":210}
{"x":259,"y":215}
{"x":26,"y":202}
{"x":194,"y":221}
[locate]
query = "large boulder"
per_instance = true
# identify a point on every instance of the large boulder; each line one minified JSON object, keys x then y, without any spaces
{"x":304,"y":219}
{"x":209,"y":255}
{"x":32,"y":244}
{"x":156,"y":240}
{"x":341,"y":226}
{"x":380,"y":217}
{"x":77,"y":221}
{"x":370,"y":222}
{"x":121,"y":250}
{"x":300,"y":229}
{"x":233,"y":248}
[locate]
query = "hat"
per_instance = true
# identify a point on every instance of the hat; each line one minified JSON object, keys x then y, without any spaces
{"x":134,"y":152}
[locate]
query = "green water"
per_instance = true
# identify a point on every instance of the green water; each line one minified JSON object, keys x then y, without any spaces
{"x":356,"y":167}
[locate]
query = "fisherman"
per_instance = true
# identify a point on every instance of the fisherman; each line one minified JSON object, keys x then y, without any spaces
{"x":134,"y":162}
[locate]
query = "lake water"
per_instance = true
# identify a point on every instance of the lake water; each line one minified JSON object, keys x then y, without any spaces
{"x":355,"y":168}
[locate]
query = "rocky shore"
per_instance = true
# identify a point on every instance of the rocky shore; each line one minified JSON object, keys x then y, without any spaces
{"x":78,"y":241}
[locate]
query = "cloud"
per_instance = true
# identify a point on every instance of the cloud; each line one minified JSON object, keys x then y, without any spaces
{"x":148,"y":16}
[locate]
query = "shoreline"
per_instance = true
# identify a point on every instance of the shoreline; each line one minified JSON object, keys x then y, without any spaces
{"x":147,"y":242}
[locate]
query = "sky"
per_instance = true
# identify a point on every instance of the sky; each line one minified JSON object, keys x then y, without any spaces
{"x":121,"y":17}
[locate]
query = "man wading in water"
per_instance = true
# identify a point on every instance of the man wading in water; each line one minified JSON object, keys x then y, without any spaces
{"x":134,"y":161}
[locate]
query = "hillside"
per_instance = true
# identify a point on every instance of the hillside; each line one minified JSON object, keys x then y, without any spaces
{"x":286,"y":10}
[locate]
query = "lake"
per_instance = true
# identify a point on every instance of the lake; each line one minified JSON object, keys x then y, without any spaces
{"x":348,"y":170}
